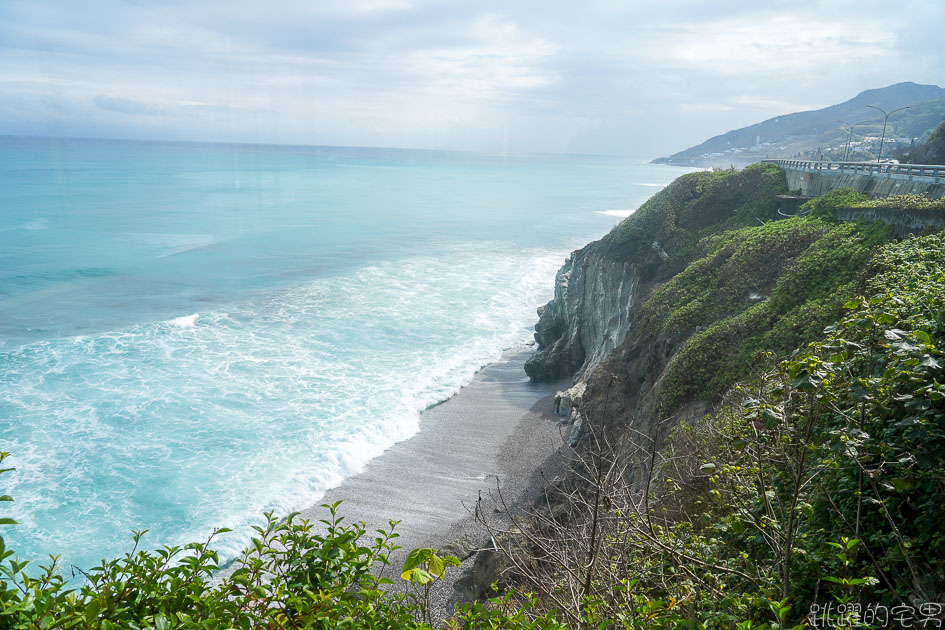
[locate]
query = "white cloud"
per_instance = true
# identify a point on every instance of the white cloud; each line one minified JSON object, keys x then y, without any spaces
{"x":527,"y":76}
{"x":778,"y":43}
{"x":501,"y":59}
{"x":125,"y":106}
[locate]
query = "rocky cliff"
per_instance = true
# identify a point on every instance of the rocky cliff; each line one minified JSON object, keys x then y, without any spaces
{"x":713,"y":440}
{"x":590,"y":315}
{"x":671,"y":308}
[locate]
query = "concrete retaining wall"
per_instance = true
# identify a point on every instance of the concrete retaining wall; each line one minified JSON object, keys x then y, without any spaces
{"x":816,"y":183}
{"x":876,"y":180}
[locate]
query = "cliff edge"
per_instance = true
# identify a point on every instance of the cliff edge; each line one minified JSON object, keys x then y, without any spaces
{"x":673,"y":307}
{"x":757,"y":408}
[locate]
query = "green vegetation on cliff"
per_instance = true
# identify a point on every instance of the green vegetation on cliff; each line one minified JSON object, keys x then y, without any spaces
{"x":808,"y":471}
{"x":740,"y":279}
{"x":904,"y":202}
{"x":694,"y":206}
{"x":759,"y":289}
{"x":827,"y":205}
{"x":822,"y":476}
{"x":811,"y":496}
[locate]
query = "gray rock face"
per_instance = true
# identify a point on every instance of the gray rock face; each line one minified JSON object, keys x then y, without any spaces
{"x":587,"y":331}
{"x":589,"y":316}
{"x":568,"y":407}
{"x":569,"y":399}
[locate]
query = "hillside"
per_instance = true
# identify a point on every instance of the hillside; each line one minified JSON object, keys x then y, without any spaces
{"x":769,"y":389}
{"x":815,"y":132}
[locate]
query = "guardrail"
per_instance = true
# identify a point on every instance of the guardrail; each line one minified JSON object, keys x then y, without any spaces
{"x":866,"y":168}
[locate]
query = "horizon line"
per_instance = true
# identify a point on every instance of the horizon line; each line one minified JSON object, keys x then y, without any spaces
{"x":324,"y":146}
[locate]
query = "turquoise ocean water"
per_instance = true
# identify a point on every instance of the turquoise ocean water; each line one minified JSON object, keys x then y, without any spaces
{"x":191,"y":334}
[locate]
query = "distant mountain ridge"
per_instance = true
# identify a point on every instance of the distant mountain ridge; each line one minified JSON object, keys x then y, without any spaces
{"x":818,"y":131}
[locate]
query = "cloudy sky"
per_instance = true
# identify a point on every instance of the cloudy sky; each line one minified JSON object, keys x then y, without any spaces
{"x":640,"y":78}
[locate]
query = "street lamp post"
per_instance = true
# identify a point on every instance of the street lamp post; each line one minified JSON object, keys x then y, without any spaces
{"x":886,"y":114}
{"x":850,"y":137}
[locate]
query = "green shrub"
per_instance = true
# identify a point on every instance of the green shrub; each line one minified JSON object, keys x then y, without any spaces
{"x":819,"y":480}
{"x":765,"y":288}
{"x":694,"y":206}
{"x":293,"y":575}
{"x":826,"y":205}
{"x":903,"y":202}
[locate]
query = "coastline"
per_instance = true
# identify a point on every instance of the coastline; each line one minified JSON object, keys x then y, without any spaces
{"x":497,"y":431}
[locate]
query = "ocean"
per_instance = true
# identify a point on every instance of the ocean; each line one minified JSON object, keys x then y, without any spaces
{"x":194,"y":334}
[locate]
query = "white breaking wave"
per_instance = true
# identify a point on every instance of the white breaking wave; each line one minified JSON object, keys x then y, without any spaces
{"x":265,"y":405}
{"x":616,"y":213}
{"x":184,"y":321}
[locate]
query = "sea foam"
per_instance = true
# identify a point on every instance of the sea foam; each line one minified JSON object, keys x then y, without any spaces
{"x":184,"y":321}
{"x":179,"y":353}
{"x":616,"y":213}
{"x":265,"y":405}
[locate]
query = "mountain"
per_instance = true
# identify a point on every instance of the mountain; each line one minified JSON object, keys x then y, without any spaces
{"x":817,"y":132}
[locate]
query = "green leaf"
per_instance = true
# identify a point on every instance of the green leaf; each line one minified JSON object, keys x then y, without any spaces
{"x":416,"y":557}
{"x":803,"y":382}
{"x":240,"y":577}
{"x":91,"y":611}
{"x":771,"y":418}
{"x":436,"y":566}
{"x":7,"y":521}
{"x":420,"y":576}
{"x":902,"y":485}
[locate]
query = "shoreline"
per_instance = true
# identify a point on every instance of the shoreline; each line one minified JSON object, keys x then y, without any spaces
{"x":497,"y":431}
